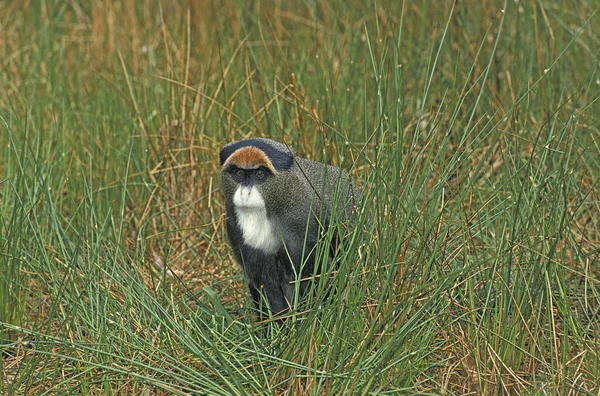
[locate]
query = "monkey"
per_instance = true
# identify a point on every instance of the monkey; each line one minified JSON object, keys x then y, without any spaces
{"x":277,"y":206}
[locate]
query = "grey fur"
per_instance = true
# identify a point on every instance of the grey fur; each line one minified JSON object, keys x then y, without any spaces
{"x":299,"y":204}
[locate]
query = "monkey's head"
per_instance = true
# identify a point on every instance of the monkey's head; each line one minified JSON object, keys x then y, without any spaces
{"x":253,"y":173}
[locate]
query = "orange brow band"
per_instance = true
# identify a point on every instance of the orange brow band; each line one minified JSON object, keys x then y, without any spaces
{"x":251,"y":157}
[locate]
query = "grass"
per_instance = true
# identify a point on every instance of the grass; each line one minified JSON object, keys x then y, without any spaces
{"x":471,"y":128}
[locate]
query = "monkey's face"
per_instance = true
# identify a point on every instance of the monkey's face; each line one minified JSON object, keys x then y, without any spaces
{"x":251,"y":171}
{"x":243,"y":173}
{"x":249,"y":167}
{"x":248,"y":179}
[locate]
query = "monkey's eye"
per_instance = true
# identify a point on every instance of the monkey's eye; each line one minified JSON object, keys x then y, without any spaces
{"x":260,"y":174}
{"x":239,"y":173}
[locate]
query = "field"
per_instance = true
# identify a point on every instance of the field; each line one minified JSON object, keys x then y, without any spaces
{"x":472,"y":128}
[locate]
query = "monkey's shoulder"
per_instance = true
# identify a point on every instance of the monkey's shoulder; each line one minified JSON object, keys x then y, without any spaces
{"x":326,"y":180}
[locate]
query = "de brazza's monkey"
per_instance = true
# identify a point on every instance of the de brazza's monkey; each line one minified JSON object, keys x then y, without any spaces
{"x":277,"y":207}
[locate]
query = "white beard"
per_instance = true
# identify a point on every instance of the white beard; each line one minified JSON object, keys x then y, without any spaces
{"x":251,"y":215}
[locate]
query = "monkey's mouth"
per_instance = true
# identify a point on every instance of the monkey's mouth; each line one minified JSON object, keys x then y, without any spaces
{"x":248,"y":197}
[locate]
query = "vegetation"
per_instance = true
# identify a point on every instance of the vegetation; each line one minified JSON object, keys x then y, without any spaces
{"x":472,"y":128}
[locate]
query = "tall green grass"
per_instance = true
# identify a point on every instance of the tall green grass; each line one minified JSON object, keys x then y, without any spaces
{"x":471,"y":128}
